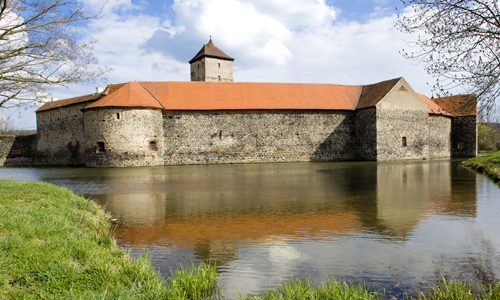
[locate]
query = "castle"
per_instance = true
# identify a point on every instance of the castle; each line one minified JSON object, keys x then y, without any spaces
{"x":213,"y":119}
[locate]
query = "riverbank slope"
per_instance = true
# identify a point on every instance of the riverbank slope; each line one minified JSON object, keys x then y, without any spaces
{"x":57,"y":245}
{"x":488,"y":164}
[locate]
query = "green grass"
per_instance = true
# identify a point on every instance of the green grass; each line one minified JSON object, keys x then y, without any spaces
{"x":298,"y":289}
{"x":454,"y":290}
{"x":57,"y":245}
{"x":488,"y":164}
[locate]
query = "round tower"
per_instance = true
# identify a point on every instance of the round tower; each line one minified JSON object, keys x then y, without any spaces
{"x":124,"y":128}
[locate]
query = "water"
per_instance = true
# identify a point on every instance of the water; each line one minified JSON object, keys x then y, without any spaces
{"x":398,"y":226}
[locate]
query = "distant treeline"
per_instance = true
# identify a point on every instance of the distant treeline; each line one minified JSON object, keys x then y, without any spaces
{"x":20,"y":132}
{"x":488,"y":136}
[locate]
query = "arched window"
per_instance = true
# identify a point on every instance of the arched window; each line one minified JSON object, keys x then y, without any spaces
{"x":153,"y":145}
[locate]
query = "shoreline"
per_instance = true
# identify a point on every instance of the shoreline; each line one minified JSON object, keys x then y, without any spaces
{"x":488,"y":165}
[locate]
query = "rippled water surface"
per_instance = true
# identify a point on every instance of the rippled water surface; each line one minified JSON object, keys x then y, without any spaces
{"x":395,"y":226}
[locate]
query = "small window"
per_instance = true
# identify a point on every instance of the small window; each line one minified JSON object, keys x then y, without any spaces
{"x":153,"y":145}
{"x":403,"y":141}
{"x":218,"y":77}
{"x":198,"y":66}
{"x":16,"y":150}
{"x":100,"y":147}
{"x":118,"y":116}
{"x":219,"y":65}
{"x":460,"y":146}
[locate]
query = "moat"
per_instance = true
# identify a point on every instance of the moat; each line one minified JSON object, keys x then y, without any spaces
{"x":398,"y":226}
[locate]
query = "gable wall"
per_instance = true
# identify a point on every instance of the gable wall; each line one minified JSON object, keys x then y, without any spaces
{"x":402,"y":125}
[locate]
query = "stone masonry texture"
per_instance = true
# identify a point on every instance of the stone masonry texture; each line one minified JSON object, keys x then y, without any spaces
{"x":144,"y":137}
{"x":439,"y":138}
{"x":60,"y":137}
{"x":365,"y":132}
{"x":129,"y":137}
{"x":17,"y":150}
{"x":228,"y":137}
{"x":464,"y":136}
{"x":394,"y":126}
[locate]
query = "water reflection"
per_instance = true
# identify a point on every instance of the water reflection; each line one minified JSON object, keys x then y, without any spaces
{"x":397,"y":226}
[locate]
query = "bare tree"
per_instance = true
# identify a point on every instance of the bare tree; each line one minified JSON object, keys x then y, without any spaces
{"x":5,"y":124}
{"x":39,"y":48}
{"x":459,"y":41}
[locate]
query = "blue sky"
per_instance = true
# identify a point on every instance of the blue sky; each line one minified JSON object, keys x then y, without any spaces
{"x":310,"y":41}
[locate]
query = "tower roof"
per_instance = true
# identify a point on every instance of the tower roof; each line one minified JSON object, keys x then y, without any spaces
{"x":209,"y":50}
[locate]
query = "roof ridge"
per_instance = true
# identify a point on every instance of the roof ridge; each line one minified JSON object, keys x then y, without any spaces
{"x":151,"y":94}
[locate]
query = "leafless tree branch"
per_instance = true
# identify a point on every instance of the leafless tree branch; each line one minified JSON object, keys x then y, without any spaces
{"x":39,"y":48}
{"x":459,"y":42}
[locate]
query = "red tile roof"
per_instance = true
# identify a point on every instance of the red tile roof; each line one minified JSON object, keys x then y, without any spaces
{"x":458,"y":106}
{"x":433,"y":107}
{"x":130,"y":95}
{"x":209,"y":50}
{"x":373,"y":93}
{"x":247,"y":96}
{"x":68,"y":102}
{"x":255,"y":96}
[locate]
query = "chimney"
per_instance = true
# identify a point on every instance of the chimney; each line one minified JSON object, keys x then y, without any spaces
{"x":53,"y":99}
{"x":99,"y":90}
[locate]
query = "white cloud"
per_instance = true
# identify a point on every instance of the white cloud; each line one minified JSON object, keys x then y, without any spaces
{"x":108,"y":6}
{"x":271,"y":40}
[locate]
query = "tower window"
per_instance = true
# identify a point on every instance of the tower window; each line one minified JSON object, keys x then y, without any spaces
{"x":404,"y":142}
{"x":219,"y":65}
{"x":218,"y":77}
{"x":100,"y":147}
{"x":118,"y":116}
{"x":153,"y":145}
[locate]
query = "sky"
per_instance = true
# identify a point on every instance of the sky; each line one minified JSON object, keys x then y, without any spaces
{"x":349,"y":42}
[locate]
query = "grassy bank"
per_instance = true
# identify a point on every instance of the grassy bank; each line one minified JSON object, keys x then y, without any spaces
{"x":56,"y":245}
{"x":336,"y":290}
{"x":488,"y":164}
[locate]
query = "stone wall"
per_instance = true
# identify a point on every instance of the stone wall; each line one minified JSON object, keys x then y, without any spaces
{"x":402,"y":134}
{"x":439,"y":137}
{"x":218,"y":70}
{"x":257,"y":136}
{"x":464,"y":136}
{"x":60,"y":136}
{"x":210,"y":69}
{"x":17,"y":150}
{"x":365,"y":134}
{"x":123,"y":137}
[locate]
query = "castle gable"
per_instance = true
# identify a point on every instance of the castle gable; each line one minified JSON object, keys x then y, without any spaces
{"x":373,"y":93}
{"x":402,"y":97}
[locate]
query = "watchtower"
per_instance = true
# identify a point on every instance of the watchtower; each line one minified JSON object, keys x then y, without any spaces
{"x":211,"y":64}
